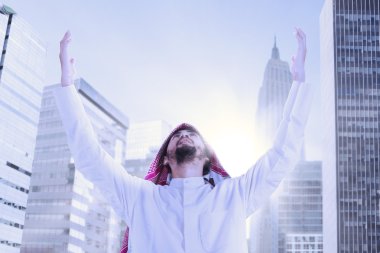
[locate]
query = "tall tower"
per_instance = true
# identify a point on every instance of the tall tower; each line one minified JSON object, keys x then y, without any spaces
{"x":272,"y":95}
{"x":22,"y":71}
{"x":350,"y":78}
{"x":291,"y":220}
{"x":65,"y":211}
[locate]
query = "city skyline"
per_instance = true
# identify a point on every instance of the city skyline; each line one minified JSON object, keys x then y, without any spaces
{"x":169,"y":60}
{"x":201,"y":63}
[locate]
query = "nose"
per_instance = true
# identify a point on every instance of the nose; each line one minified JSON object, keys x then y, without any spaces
{"x":184,"y":134}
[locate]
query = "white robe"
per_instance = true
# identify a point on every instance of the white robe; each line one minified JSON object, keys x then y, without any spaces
{"x":187,"y":215}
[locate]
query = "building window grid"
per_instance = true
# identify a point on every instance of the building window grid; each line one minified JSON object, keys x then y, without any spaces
{"x":373,"y":133}
{"x":338,"y":140}
{"x":352,"y":90}
{"x":363,"y":134}
{"x":367,"y":131}
{"x":358,"y":151}
{"x":377,"y":48}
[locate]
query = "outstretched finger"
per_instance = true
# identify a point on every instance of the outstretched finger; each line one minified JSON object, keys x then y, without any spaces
{"x":299,"y":34}
{"x":302,"y":33}
{"x":66,"y":38}
{"x":67,"y":34}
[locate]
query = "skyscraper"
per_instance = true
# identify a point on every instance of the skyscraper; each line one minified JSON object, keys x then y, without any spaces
{"x":66,"y":212}
{"x":272,"y":95}
{"x":299,"y":210}
{"x":22,"y":71}
{"x":350,"y":78}
{"x":292,"y":220}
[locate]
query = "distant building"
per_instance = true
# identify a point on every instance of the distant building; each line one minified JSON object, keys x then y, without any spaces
{"x":65,"y":211}
{"x":272,"y":95}
{"x":304,"y":243}
{"x":350,"y":79}
{"x":22,"y":73}
{"x":143,"y":142}
{"x":296,"y":207}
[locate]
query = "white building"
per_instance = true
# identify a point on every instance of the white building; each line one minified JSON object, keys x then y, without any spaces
{"x":143,"y":141}
{"x":65,"y":211}
{"x":22,"y":71}
{"x":304,"y":243}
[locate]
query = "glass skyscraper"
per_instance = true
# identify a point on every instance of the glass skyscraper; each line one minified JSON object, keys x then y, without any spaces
{"x":350,"y":78}
{"x":22,"y":71}
{"x":292,"y":221}
{"x":66,"y":212}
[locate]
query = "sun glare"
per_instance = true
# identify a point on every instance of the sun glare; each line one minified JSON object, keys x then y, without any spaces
{"x":237,"y":147}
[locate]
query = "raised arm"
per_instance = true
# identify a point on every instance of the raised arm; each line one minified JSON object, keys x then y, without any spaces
{"x":263,"y":178}
{"x":117,"y":186}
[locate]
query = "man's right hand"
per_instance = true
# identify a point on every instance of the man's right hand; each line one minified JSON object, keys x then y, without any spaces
{"x":67,"y":63}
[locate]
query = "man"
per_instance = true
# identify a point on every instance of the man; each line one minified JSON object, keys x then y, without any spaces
{"x":192,"y":204}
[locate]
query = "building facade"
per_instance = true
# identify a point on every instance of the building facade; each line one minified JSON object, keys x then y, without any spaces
{"x":294,"y":212}
{"x":350,"y":78}
{"x":66,"y":212}
{"x":272,"y":96}
{"x":296,"y":206}
{"x":22,"y":73}
{"x":143,"y":142}
{"x":304,"y":243}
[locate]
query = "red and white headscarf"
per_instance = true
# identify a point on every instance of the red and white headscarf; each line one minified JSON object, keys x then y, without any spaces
{"x":159,"y":173}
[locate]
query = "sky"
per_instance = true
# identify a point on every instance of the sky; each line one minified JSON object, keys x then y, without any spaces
{"x":199,"y":61}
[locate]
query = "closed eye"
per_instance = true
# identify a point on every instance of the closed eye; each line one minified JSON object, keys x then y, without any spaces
{"x":188,"y":133}
{"x":175,"y":136}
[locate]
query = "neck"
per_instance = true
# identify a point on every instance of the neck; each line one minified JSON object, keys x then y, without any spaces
{"x":188,"y":169}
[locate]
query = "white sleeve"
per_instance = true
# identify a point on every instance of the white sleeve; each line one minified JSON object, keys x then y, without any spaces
{"x":117,"y":186}
{"x":263,"y":178}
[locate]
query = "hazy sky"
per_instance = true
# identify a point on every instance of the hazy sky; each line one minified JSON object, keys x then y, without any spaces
{"x":195,"y":61}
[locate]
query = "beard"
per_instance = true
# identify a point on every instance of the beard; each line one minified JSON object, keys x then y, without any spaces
{"x":185,"y":154}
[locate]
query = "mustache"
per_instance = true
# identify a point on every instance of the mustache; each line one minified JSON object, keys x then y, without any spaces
{"x":184,"y":138}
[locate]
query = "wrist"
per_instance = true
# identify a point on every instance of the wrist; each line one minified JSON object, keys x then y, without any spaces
{"x":299,"y":73}
{"x":65,"y":81}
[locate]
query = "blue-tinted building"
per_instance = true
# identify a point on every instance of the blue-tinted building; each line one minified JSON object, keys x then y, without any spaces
{"x":22,"y":71}
{"x":66,"y":212}
{"x":350,"y":79}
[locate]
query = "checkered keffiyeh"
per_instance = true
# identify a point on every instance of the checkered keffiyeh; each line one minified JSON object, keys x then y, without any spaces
{"x":158,"y":172}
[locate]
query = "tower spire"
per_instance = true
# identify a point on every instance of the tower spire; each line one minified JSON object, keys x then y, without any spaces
{"x":275,"y":52}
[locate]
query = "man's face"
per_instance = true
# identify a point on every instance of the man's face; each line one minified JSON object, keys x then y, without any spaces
{"x":184,"y":146}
